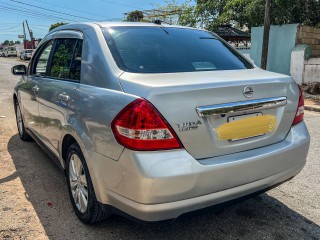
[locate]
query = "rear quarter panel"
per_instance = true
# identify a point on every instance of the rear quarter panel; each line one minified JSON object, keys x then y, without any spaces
{"x":91,"y":116}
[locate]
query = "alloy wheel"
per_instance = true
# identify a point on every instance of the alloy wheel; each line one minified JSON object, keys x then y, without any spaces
{"x":78,"y":183}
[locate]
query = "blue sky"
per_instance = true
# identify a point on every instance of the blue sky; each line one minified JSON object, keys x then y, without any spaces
{"x":42,"y":13}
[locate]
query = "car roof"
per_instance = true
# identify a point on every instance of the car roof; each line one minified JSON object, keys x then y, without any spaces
{"x":116,"y":24}
{"x":79,"y":26}
{"x":137,"y":24}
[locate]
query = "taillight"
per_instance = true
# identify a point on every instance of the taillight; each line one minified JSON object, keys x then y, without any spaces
{"x":300,"y":110}
{"x":139,"y":126}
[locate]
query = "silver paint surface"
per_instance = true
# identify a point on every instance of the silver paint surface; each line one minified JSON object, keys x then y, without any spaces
{"x":163,"y":184}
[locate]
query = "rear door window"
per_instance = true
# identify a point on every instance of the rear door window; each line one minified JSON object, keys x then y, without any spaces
{"x":62,"y":57}
{"x":75,"y":67}
{"x":66,"y":59}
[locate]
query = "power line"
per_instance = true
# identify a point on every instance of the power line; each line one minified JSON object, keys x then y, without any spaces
{"x":10,"y":27}
{"x":121,"y":4}
{"x":9,"y":34}
{"x":35,"y":14}
{"x":11,"y":31}
{"x":20,"y":24}
{"x":18,"y":31}
{"x":38,"y":15}
{"x":38,"y":28}
{"x":32,"y":11}
{"x":29,"y":14}
{"x":53,"y":10}
{"x":94,"y":14}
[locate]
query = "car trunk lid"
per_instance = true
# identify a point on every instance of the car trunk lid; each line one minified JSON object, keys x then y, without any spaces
{"x":183,"y":98}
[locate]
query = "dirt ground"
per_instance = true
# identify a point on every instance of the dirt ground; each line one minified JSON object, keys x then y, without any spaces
{"x":311,"y":102}
{"x":34,"y":203}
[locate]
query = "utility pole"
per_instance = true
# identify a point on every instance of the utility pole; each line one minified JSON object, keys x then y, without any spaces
{"x":31,"y":35}
{"x":24,"y":36}
{"x":266,"y":31}
{"x":30,"y":32}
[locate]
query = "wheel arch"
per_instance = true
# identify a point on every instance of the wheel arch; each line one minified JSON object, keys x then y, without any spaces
{"x":67,"y":141}
{"x":69,"y":136}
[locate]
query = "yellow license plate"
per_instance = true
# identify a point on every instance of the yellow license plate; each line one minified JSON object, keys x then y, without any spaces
{"x":246,"y":127}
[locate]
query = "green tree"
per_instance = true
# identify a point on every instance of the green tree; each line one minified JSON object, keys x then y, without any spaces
{"x":135,"y":16}
{"x":6,"y":42}
{"x":10,"y":42}
{"x":58,"y":24}
{"x":175,"y":13}
{"x":245,"y":13}
{"x":208,"y":11}
{"x":250,"y":13}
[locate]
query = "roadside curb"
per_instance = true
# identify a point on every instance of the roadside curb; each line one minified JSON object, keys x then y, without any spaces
{"x":310,"y":108}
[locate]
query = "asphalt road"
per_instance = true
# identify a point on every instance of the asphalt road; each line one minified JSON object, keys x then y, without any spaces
{"x":34,"y":203}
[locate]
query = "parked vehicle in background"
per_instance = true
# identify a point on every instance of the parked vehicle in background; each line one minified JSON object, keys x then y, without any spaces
{"x":10,"y":51}
{"x":1,"y":52}
{"x":155,"y":121}
{"x":26,"y":54}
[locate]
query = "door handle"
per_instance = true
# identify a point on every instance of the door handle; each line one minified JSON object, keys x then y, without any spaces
{"x":35,"y":89}
{"x":64,"y":97}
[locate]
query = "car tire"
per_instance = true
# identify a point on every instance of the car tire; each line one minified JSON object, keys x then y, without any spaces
{"x":20,"y":57}
{"x":80,"y":188}
{"x":20,"y":125}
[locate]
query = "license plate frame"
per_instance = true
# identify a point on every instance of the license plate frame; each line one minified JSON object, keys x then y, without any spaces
{"x":242,"y":116}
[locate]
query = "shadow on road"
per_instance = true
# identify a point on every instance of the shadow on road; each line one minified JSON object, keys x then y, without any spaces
{"x":260,"y":217}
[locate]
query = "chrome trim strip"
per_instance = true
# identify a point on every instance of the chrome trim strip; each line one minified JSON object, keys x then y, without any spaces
{"x":233,"y":107}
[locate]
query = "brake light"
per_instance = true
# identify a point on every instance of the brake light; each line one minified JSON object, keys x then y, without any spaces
{"x":300,"y":110}
{"x":139,"y":126}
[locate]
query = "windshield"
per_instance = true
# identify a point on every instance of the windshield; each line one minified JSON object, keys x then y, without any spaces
{"x":166,"y":50}
{"x":12,"y":49}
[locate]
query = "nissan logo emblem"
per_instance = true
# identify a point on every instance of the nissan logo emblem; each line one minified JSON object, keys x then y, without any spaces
{"x":248,"y":92}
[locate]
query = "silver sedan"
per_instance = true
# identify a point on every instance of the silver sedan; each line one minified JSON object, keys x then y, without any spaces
{"x":154,"y":121}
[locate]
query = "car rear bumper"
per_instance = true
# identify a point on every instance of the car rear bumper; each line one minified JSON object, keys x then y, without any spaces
{"x":155,"y":186}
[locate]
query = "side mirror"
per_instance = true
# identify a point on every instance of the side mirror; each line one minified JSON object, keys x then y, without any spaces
{"x":19,"y":70}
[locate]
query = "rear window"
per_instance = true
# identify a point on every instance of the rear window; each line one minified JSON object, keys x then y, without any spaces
{"x":12,"y":49}
{"x":29,"y":51}
{"x":167,"y":50}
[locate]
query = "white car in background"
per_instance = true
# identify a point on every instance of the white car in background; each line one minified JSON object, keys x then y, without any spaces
{"x":10,"y":51}
{"x":26,"y":54}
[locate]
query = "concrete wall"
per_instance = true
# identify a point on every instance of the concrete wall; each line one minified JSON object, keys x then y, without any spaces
{"x":312,"y":71}
{"x":299,"y":55}
{"x":290,"y":47}
{"x":311,"y":37}
{"x":245,"y":51}
{"x":282,"y":40}
{"x":304,"y":69}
